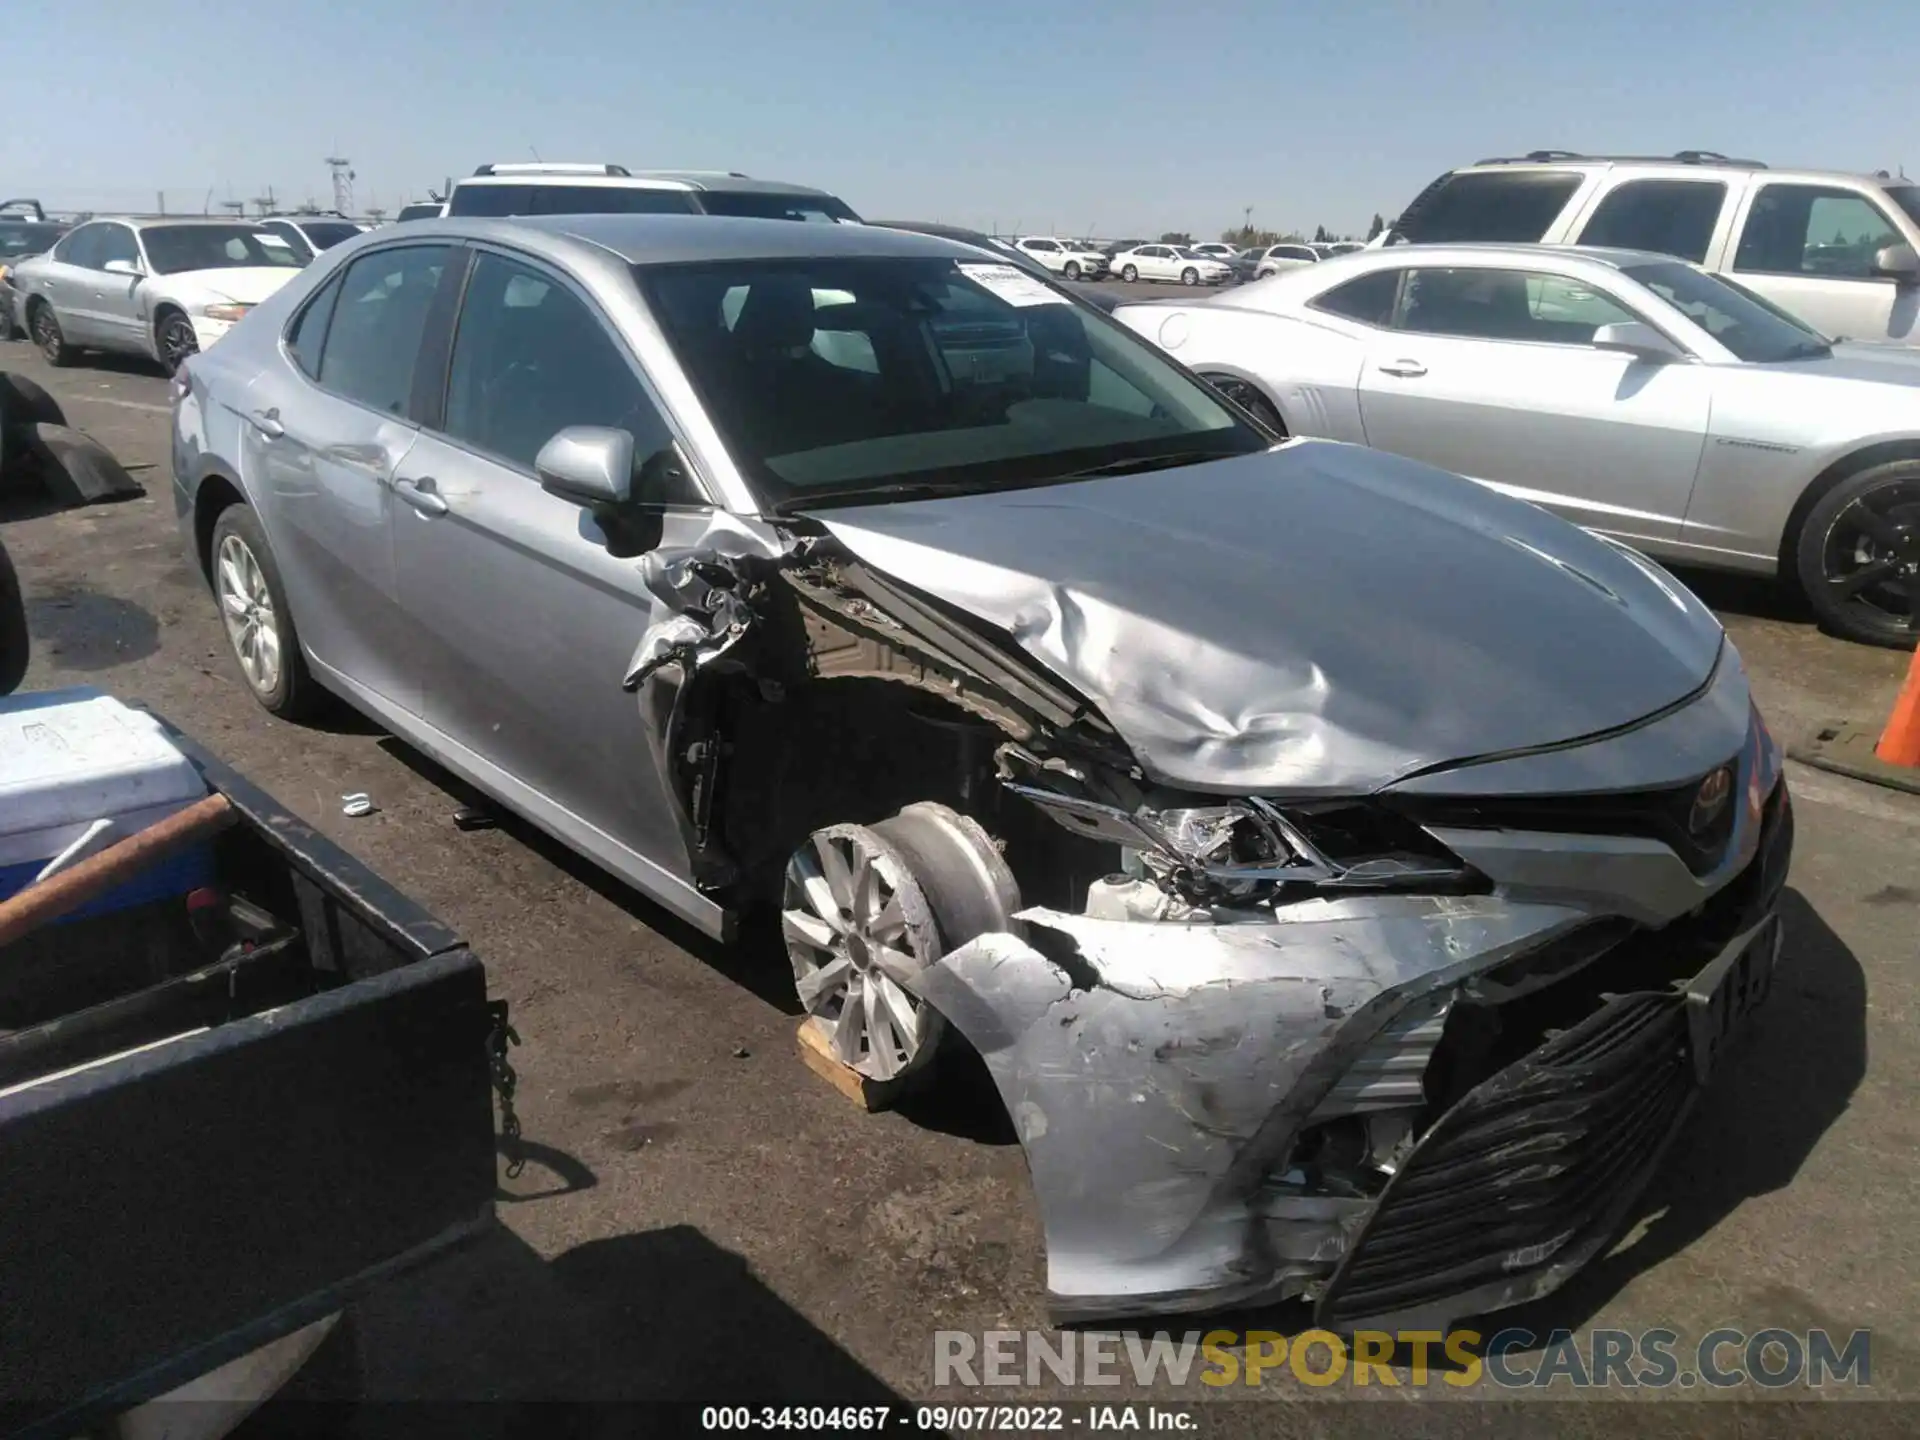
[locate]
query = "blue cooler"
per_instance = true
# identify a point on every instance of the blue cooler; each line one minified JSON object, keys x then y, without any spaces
{"x":79,"y":771}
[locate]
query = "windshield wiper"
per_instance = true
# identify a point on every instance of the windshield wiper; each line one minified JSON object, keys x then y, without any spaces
{"x":1809,"y":350}
{"x":877,"y":494}
{"x":1140,"y":464}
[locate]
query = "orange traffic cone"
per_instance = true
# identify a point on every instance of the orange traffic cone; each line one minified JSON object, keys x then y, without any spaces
{"x":1847,"y":748}
{"x":1900,"y":741}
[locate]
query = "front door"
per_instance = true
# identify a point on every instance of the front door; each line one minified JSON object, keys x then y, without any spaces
{"x":1491,"y":373}
{"x":322,"y":434}
{"x":524,"y":623}
{"x":1809,"y":249}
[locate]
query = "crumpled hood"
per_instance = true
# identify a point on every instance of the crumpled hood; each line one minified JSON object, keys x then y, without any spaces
{"x":1317,"y":619}
{"x":245,"y":286}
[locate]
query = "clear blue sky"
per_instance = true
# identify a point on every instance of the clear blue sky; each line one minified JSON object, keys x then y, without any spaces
{"x":1112,"y":116}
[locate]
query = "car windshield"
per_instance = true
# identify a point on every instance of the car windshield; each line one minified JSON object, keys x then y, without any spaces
{"x":19,"y":240}
{"x":849,"y":381}
{"x":755,"y":205}
{"x":325,"y":234}
{"x":1907,"y":197}
{"x":1753,"y":329}
{"x":174,"y":249}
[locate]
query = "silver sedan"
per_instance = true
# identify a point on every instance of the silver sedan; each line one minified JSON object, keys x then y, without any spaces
{"x":1197,"y":784}
{"x":1631,"y":393}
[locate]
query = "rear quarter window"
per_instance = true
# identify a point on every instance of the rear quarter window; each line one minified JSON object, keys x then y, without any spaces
{"x":1505,"y":207}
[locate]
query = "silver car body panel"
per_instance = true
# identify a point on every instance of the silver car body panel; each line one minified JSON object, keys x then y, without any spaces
{"x":1315,"y":620}
{"x":1699,"y":462}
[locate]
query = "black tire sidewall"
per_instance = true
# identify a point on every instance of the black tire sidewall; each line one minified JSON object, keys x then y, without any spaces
{"x":1189,"y":277}
{"x":293,"y":696}
{"x":1130,"y":274}
{"x":62,"y":354}
{"x":162,"y":323}
{"x":1809,"y":554}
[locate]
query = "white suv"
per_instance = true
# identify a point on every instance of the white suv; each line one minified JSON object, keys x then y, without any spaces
{"x":1064,"y":257}
{"x":557,"y":189}
{"x":1841,"y":251}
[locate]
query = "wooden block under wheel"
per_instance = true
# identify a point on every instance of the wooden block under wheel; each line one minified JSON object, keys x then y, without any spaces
{"x":868,"y":1094}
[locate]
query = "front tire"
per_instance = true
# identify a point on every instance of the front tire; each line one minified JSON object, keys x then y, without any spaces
{"x":1857,"y":556}
{"x":1248,"y":397}
{"x":174,"y":340}
{"x":1073,"y":270}
{"x":1130,"y":274}
{"x":47,"y":334}
{"x":1189,"y":276}
{"x":259,"y":623}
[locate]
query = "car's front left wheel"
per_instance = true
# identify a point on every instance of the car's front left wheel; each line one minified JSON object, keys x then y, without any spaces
{"x":1189,"y":276}
{"x":1858,"y":555}
{"x":259,"y":625}
{"x":175,"y":341}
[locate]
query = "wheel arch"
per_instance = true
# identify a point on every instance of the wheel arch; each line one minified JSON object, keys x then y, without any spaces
{"x":214,"y":493}
{"x":1249,"y":377}
{"x":1863,"y":457}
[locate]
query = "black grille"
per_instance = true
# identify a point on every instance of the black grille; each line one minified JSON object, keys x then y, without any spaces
{"x":1663,"y":815}
{"x":1533,"y":1168}
{"x":1536,"y":1165}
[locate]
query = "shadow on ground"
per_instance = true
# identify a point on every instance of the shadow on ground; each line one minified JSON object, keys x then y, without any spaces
{"x":656,"y":1315}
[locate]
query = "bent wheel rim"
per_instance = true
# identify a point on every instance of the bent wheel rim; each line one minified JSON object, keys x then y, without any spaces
{"x":246,"y":606}
{"x":1870,"y":561}
{"x":857,"y":929}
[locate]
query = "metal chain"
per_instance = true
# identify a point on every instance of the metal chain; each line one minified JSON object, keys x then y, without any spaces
{"x":505,"y":1081}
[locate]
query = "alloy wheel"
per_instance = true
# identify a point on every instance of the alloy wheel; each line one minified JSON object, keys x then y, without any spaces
{"x":246,"y":606}
{"x":178,"y":343}
{"x":1871,"y":556}
{"x":46,"y":334}
{"x":857,"y":928}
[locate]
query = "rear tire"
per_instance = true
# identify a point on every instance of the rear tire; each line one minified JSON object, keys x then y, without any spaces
{"x":44,"y":325}
{"x":22,"y":402}
{"x":259,"y":624}
{"x":1857,"y":556}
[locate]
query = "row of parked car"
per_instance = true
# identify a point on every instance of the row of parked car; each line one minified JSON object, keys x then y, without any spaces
{"x":1211,"y":262}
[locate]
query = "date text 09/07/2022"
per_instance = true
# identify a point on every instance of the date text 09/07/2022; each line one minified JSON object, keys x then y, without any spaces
{"x":945,"y":1419}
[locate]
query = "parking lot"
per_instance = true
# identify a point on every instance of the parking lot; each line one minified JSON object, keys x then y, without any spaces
{"x":704,"y":1218}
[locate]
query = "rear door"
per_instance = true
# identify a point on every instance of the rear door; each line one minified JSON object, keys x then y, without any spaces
{"x":523,"y":622}
{"x":1810,"y":248}
{"x":326,"y":423}
{"x":1491,"y":373}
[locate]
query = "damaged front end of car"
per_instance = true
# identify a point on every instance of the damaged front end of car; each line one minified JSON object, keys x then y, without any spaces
{"x":1408,"y":1054}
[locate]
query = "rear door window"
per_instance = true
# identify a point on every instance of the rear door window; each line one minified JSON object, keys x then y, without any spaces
{"x":1668,"y":217}
{"x":377,"y":324}
{"x":1501,"y":206}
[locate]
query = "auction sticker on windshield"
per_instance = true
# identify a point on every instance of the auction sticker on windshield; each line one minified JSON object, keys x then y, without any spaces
{"x":1011,"y":286}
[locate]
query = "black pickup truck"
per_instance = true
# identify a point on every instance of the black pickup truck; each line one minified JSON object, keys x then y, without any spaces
{"x":225,"y":1114}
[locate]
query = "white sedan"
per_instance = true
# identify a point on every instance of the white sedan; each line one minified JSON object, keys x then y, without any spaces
{"x":162,"y":288}
{"x":1631,"y":393}
{"x":1171,"y":262}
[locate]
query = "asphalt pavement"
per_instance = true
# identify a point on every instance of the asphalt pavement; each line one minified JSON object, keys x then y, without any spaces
{"x":704,"y":1219}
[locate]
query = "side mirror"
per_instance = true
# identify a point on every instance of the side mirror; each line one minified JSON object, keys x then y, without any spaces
{"x":122,"y":267}
{"x":1638,"y":339}
{"x":589,"y":465}
{"x":1898,"y":263}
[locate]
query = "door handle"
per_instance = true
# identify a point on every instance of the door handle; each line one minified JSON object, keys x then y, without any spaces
{"x":420,"y":495}
{"x":267,"y":422}
{"x":1406,"y":369}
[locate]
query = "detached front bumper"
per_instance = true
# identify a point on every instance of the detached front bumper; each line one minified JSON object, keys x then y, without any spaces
{"x":1394,"y":1106}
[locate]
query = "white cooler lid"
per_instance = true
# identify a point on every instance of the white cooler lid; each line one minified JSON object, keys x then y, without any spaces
{"x":73,"y":756}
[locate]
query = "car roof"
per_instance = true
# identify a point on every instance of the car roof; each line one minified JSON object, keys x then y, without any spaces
{"x":678,"y":239}
{"x":655,"y":180}
{"x":1672,"y":166}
